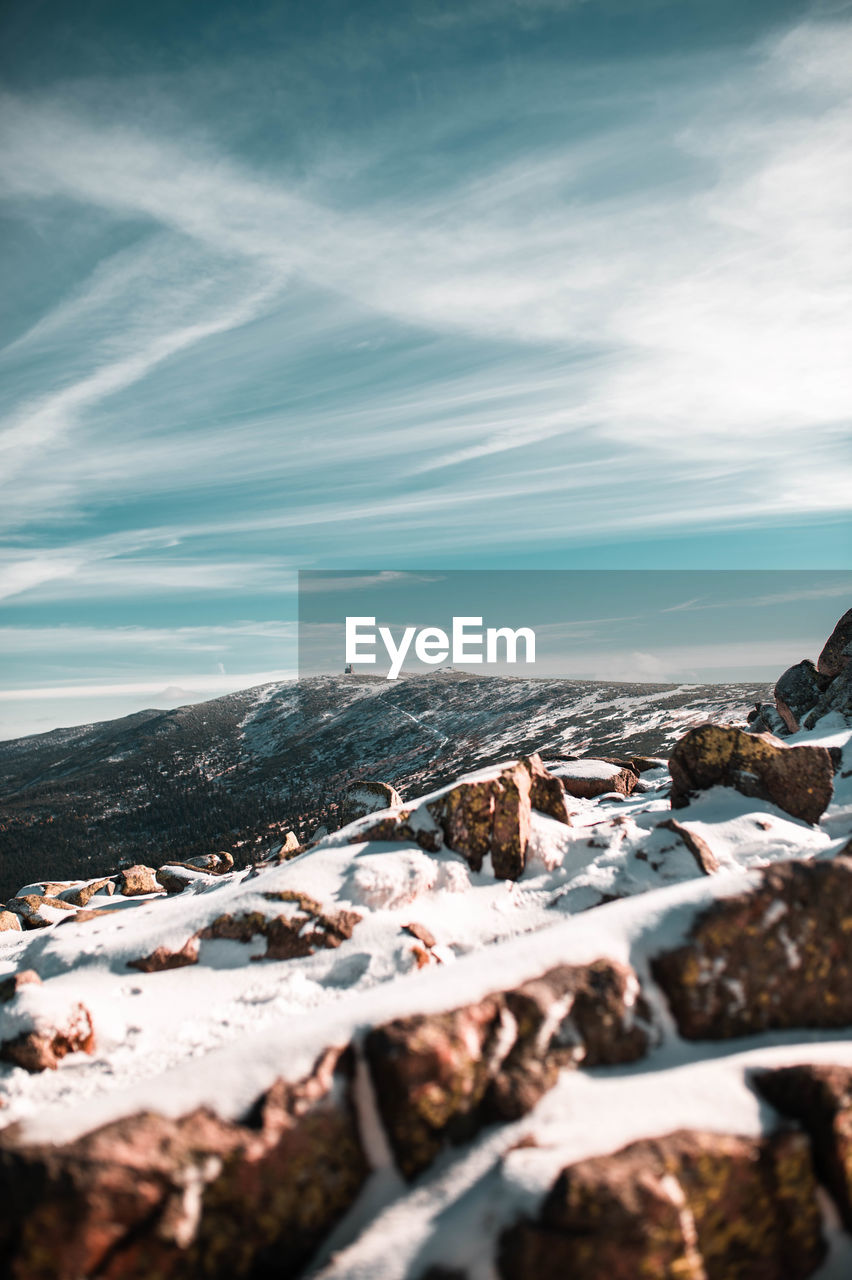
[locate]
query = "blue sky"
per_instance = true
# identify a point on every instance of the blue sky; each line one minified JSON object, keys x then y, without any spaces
{"x":504,"y":283}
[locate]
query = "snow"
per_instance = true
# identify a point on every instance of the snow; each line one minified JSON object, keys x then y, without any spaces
{"x":221,"y":1031}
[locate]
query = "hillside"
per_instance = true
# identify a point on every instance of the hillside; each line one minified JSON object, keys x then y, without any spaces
{"x":234,"y":772}
{"x":575,"y":1015}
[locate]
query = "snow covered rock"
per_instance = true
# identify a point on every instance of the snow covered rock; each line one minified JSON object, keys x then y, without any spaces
{"x":772,"y":958}
{"x":797,"y":779}
{"x":79,"y":895}
{"x":486,"y":815}
{"x":587,"y":778}
{"x":705,"y":858}
{"x":835,"y":654}
{"x":441,"y":1077}
{"x":695,"y":1205}
{"x":199,"y":1196}
{"x":34,"y":1033}
{"x":134,"y":881}
{"x":37,"y":911}
{"x":360,"y":798}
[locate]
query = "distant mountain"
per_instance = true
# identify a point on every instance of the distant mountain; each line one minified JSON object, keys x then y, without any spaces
{"x":235,"y":772}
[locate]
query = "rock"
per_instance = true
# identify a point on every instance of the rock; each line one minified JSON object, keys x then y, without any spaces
{"x":836,"y":698}
{"x":478,"y":818}
{"x":797,"y":779}
{"x":819,"y":1097}
{"x":834,"y":657}
{"x":644,"y":764}
{"x":705,"y":858}
{"x":797,"y":692}
{"x":40,"y":1049}
{"x":421,"y":933}
{"x":215,"y":864}
{"x":765,"y":719}
{"x":10,"y":920}
{"x":38,"y":912}
{"x":44,"y":889}
{"x":198,"y":1197}
{"x":588,"y":778}
{"x":691,"y":1205}
{"x":80,"y":895}
{"x":9,"y":987}
{"x":441,"y":1077}
{"x":773,"y":958}
{"x":174,"y":877}
{"x":135,"y":881}
{"x":363,"y":797}
{"x":163,"y":958}
{"x":305,"y":929}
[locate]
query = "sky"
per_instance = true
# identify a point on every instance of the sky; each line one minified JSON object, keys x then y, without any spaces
{"x":489,"y":284}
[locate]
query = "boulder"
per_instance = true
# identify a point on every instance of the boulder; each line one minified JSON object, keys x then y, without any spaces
{"x":773,"y":958}
{"x":797,"y":692}
{"x":215,"y":864}
{"x":765,"y":719}
{"x":197,"y":1197}
{"x":363,"y":797}
{"x":174,"y":877}
{"x":442,"y":1077}
{"x":135,"y":881}
{"x":10,"y":920}
{"x":479,"y":817}
{"x":37,"y":912}
{"x":819,"y":1097}
{"x":692,"y":1205}
{"x":835,"y":656}
{"x":590,"y":777}
{"x":797,"y":779}
{"x":705,"y":858}
{"x":40,"y":1047}
{"x":80,"y":895}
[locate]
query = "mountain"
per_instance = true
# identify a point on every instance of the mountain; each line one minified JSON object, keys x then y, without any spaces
{"x":235,"y":772}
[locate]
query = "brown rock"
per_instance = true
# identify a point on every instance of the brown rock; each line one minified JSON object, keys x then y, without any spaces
{"x":705,"y":858}
{"x":363,"y":797}
{"x":44,"y":1050}
{"x":37,"y":912}
{"x":306,"y":930}
{"x":772,"y":958}
{"x":547,"y":795}
{"x":199,"y":1198}
{"x":81,"y":894}
{"x":797,"y":779}
{"x":10,"y":920}
{"x":134,"y":881}
{"x":644,"y":764}
{"x":691,"y":1206}
{"x":820,"y":1098}
{"x":216,"y":864}
{"x":834,"y":657}
{"x":440,"y":1077}
{"x":163,"y":958}
{"x":421,"y":933}
{"x":174,"y":877}
{"x":578,"y":778}
{"x":9,"y":987}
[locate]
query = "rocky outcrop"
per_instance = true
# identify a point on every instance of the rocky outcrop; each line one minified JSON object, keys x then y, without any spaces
{"x":199,"y":1197}
{"x":692,"y":1205}
{"x":480,"y":817}
{"x":819,"y":1097}
{"x":797,"y":779}
{"x":705,"y":858}
{"x":772,"y":958}
{"x":441,"y":1077}
{"x":835,"y":654}
{"x":135,"y":881}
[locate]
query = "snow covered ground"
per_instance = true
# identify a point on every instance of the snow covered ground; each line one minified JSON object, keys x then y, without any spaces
{"x":220,"y":1030}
